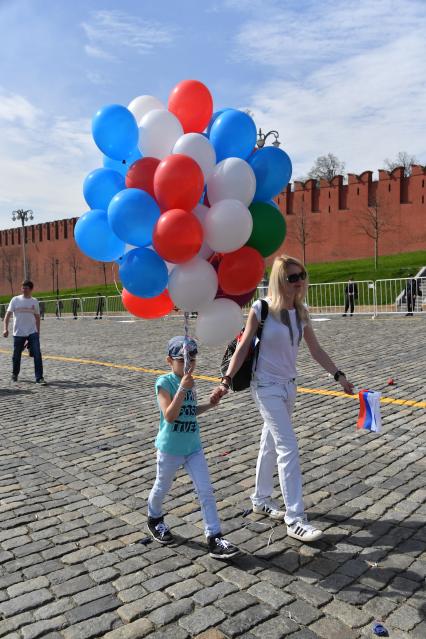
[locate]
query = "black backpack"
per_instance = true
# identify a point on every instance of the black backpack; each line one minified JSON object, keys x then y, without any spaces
{"x":242,"y":379}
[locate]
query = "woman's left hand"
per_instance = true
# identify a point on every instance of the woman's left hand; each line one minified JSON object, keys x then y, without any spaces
{"x":348,"y":387}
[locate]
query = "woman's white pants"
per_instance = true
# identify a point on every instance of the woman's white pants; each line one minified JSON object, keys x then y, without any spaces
{"x":278,"y":445}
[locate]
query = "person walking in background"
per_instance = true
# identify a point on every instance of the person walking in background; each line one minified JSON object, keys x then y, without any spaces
{"x":75,"y":307}
{"x":42,"y":307}
{"x":26,"y":330}
{"x":351,"y":294}
{"x":2,"y":311}
{"x":100,"y":306}
{"x":412,"y":291}
{"x":58,"y":309}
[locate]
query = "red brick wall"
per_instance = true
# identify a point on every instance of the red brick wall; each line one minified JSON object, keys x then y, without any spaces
{"x":332,"y":214}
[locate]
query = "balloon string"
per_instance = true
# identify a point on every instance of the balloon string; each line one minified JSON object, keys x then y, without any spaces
{"x":186,"y":359}
{"x":115,"y":281}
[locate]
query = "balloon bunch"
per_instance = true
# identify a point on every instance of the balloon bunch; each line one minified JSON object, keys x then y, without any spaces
{"x":184,"y":204}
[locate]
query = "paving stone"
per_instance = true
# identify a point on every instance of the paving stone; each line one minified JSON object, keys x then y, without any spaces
{"x":91,"y":594}
{"x":302,"y":612}
{"x":405,"y":618}
{"x":209,"y":595}
{"x":201,"y":620}
{"x":143,"y":606}
{"x":183,"y":588}
{"x":131,"y":594}
{"x":92,"y":609}
{"x":238,"y":577}
{"x":236,"y":602}
{"x":275,"y":628}
{"x":173,"y":630}
{"x":73,"y":586}
{"x":162,"y":581}
{"x":315,"y":595}
{"x":212,"y":633}
{"x":245,"y":620}
{"x":27,"y":586}
{"x":270,"y":595}
{"x":171,"y":612}
{"x":81,"y":555}
{"x":88,"y":629}
{"x":54,"y":609}
{"x":327,"y":628}
{"x":41,"y":628}
{"x":136,"y":630}
{"x":349,"y":615}
{"x":25,"y":602}
{"x":7,"y":626}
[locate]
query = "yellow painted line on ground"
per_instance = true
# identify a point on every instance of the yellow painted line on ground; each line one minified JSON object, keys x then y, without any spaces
{"x":208,"y":378}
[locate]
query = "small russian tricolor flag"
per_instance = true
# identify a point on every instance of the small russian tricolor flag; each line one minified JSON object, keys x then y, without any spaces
{"x":369,"y":417}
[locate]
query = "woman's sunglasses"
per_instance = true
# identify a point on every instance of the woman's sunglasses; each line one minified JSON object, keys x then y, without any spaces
{"x":295,"y":277}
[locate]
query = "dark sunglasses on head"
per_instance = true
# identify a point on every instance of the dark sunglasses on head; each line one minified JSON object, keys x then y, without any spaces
{"x":295,"y":277}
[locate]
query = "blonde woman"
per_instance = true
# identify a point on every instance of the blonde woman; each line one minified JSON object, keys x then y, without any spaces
{"x":273,"y":388}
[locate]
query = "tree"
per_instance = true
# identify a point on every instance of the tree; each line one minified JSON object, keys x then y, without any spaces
{"x":74,"y":263}
{"x":326,"y":167}
{"x":9,"y":268}
{"x":402,"y":159}
{"x":301,"y":230}
{"x":374,"y":223}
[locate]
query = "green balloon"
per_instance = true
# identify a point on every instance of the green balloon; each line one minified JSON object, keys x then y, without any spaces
{"x":269,"y":228}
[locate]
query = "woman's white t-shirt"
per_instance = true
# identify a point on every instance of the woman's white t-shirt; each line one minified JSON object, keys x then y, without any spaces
{"x":277,"y":355}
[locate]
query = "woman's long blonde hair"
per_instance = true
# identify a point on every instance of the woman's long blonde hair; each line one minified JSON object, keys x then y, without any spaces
{"x":277,"y":282}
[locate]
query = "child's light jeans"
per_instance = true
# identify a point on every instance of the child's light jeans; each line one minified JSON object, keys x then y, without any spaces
{"x":196,"y":467}
{"x":278,"y":445}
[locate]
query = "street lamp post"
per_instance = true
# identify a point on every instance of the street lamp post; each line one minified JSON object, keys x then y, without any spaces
{"x":261,"y":138}
{"x":23,"y":217}
{"x":57,"y":277}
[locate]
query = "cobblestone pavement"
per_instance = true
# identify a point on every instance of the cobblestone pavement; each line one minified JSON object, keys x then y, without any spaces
{"x":77,"y":464}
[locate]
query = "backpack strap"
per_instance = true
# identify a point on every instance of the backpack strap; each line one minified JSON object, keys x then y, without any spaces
{"x":263,"y":315}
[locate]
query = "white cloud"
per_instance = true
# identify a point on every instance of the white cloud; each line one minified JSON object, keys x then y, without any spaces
{"x":345,"y":77}
{"x":109,"y":31}
{"x":43,"y":161}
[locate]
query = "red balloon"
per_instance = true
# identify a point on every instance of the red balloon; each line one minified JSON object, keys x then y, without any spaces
{"x":177,"y":236}
{"x":141,"y":175}
{"x":241,"y":300}
{"x":147,"y":308}
{"x":191,"y":102}
{"x":178,"y":183}
{"x":241,"y":271}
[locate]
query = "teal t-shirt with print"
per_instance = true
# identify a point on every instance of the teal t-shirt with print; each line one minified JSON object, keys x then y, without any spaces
{"x":182,"y":437}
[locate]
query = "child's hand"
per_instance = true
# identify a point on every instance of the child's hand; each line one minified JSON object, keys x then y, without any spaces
{"x":187,"y":381}
{"x":214,"y":399}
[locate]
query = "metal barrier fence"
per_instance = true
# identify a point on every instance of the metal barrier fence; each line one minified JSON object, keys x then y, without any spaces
{"x":334,"y":298}
{"x":391,"y":296}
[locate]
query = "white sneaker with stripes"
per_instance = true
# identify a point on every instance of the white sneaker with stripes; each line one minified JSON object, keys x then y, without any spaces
{"x":269,"y":509}
{"x":303,"y":531}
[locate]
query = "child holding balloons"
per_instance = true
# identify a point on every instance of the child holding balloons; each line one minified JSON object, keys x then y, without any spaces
{"x":178,"y":444}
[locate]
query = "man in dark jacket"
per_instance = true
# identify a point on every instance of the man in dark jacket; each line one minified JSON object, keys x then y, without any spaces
{"x":412,"y":290}
{"x":351,"y":294}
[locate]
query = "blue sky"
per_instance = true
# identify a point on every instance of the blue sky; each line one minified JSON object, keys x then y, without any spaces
{"x":343,"y":77}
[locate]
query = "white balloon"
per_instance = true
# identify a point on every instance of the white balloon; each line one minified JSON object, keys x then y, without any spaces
{"x":219,"y":322}
{"x":232,"y":179}
{"x":193,"y":285}
{"x":199,"y":148}
{"x":200,"y":212}
{"x":143,"y":104}
{"x":227,"y":226}
{"x":158,"y":132}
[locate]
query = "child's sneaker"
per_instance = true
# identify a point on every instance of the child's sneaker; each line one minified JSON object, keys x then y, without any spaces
{"x":221,"y":548}
{"x":160,"y":530}
{"x":269,"y":509}
{"x":303,"y":531}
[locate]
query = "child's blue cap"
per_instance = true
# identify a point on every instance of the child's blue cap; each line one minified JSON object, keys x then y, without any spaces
{"x":175,"y":346}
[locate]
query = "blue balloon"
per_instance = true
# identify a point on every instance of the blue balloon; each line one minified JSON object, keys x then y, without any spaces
{"x":214,"y":117}
{"x":115,"y":131}
{"x":143,"y":273}
{"x":132,"y":215}
{"x":95,"y":238}
{"x":233,"y":134}
{"x":100,"y":186}
{"x":272,"y":168}
{"x":122,"y":166}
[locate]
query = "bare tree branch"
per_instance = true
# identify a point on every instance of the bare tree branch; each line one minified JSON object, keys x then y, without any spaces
{"x":402,"y":159}
{"x":326,"y":167}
